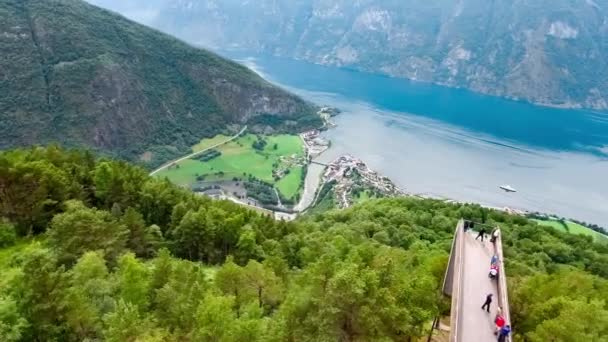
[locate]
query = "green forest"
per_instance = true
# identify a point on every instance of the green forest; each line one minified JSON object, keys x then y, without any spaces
{"x":95,"y":250}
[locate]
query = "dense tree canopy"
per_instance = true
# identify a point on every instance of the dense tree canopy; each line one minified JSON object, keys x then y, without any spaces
{"x":104,"y":252}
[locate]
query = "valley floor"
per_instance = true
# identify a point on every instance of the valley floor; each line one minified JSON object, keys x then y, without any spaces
{"x":268,"y":168}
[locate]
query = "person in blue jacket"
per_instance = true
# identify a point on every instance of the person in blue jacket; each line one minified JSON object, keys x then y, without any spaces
{"x":504,"y":333}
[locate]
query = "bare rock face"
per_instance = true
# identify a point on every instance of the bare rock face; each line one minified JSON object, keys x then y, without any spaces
{"x":79,"y":75}
{"x":551,"y":52}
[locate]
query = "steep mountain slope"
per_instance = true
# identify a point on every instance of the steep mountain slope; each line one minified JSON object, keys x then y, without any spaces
{"x":548,"y":51}
{"x":80,"y":75}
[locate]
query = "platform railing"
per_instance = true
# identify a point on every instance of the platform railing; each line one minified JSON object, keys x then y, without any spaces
{"x":503,"y":293}
{"x":452,"y":282}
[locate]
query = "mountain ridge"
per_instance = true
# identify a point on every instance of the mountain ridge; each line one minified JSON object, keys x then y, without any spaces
{"x":546,"y":52}
{"x":84,"y":76}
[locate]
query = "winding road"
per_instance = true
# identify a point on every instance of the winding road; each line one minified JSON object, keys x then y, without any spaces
{"x":197,"y":153}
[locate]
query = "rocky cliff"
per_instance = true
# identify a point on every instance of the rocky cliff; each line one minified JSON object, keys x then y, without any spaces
{"x":550,"y":52}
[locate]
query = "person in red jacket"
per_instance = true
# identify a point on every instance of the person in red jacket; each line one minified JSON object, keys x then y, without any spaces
{"x":500,"y":322}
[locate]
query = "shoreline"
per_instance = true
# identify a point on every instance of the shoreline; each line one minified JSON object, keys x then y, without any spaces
{"x":315,"y":145}
{"x":454,"y":129}
{"x":315,"y":180}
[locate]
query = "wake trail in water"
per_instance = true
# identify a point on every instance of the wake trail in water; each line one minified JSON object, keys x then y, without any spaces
{"x":455,"y":134}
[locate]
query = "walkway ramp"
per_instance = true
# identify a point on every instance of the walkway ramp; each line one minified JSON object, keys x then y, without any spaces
{"x":468,"y":284}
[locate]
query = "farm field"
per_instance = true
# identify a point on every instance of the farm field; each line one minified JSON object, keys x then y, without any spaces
{"x":290,"y":185}
{"x":573,"y":228}
{"x":206,"y":143}
{"x":240,"y":159}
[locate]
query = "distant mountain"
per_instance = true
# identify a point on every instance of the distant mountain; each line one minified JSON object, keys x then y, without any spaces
{"x":79,"y":75}
{"x":551,"y":52}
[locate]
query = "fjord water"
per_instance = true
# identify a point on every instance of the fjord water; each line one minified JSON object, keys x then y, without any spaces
{"x":456,"y":144}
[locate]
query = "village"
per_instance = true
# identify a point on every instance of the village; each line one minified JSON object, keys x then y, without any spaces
{"x":348,"y":173}
{"x":286,"y":163}
{"x":314,"y":144}
{"x":349,"y":177}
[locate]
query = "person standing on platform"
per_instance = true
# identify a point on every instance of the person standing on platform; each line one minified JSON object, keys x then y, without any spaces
{"x":495,"y":234}
{"x":504,"y":333}
{"x":499,"y":321}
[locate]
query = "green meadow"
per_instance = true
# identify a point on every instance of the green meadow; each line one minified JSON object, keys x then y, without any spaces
{"x":206,"y":143}
{"x":573,"y":228}
{"x":239,"y":159}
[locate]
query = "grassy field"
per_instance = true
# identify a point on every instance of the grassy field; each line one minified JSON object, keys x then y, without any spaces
{"x":290,"y":185}
{"x":573,"y":228}
{"x":239,"y":158}
{"x":206,"y":143}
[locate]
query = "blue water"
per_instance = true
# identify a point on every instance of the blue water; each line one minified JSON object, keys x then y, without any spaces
{"x":508,"y":120}
{"x":457,"y":144}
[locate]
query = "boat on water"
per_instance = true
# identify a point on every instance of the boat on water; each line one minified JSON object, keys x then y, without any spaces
{"x":507,"y":188}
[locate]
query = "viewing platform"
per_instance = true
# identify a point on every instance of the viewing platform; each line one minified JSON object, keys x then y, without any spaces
{"x":468,"y":283}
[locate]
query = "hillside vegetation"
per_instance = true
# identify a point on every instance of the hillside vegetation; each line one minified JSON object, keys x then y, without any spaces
{"x":120,"y":256}
{"x":82,"y":76}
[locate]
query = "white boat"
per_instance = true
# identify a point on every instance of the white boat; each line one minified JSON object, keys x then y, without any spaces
{"x":507,"y":188}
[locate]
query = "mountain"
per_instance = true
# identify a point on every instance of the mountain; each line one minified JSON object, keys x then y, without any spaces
{"x":548,"y":52}
{"x":82,"y":76}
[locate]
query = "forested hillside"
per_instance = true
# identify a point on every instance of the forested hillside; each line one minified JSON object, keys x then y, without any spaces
{"x":96,"y":250}
{"x":82,"y":76}
{"x":543,"y":51}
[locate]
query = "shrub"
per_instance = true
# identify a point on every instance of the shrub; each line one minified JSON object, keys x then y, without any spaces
{"x":8,"y":236}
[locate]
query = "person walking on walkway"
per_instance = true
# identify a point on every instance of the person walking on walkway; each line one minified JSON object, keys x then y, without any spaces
{"x":503,"y":333}
{"x":487,"y":303}
{"x":482,"y":232}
